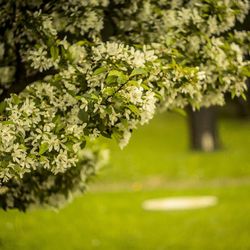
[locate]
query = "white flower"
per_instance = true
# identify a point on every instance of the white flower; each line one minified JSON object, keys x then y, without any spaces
{"x":77,"y":53}
{"x":62,"y":162}
{"x":52,"y":140}
{"x":48,"y":127}
{"x":133,"y":94}
{"x":113,"y":117}
{"x":84,"y":104}
{"x":238,"y":51}
{"x":95,"y":133}
{"x":28,"y":107}
{"x":125,"y":139}
{"x":40,"y":59}
{"x":45,"y":162}
{"x":201,"y":75}
{"x":47,"y":25}
{"x":19,"y":154}
{"x":76,"y":130}
{"x":138,"y":59}
{"x":148,"y":107}
{"x":7,"y":137}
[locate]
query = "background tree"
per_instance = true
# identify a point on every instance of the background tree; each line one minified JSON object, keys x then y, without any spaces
{"x":203,"y":126}
{"x":72,"y":86}
{"x":202,"y":32}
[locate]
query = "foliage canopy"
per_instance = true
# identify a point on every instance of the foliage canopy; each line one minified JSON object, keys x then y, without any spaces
{"x":72,"y":71}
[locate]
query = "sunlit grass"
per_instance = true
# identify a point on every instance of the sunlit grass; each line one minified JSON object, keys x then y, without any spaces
{"x":161,"y":149}
{"x":157,"y":163}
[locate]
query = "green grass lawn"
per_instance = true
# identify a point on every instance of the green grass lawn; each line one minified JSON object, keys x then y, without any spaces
{"x":161,"y":149}
{"x":157,"y":163}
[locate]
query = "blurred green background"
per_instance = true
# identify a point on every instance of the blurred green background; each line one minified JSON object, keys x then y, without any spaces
{"x":157,"y":163}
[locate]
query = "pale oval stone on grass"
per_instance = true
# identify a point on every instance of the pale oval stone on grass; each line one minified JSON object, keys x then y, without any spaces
{"x":180,"y":203}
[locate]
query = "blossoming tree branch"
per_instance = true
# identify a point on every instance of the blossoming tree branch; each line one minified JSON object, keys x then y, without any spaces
{"x":72,"y":71}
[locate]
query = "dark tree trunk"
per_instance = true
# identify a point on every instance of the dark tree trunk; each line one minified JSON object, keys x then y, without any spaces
{"x":243,"y":111}
{"x":203,"y":129}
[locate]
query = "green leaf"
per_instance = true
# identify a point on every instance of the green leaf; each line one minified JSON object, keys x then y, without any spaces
{"x":78,"y":97}
{"x":85,"y":42}
{"x":115,"y":73}
{"x":106,"y":134}
{"x":8,"y":123}
{"x":16,"y":99}
{"x":134,"y":109}
{"x":43,"y":148}
{"x":83,"y":116}
{"x":99,"y":71}
{"x":145,"y":87}
{"x":69,"y":146}
{"x":83,"y":144}
{"x":244,"y":96}
{"x":117,"y":135}
{"x":33,"y":156}
{"x":93,"y":96}
{"x":2,"y":106}
{"x":181,"y":112}
{"x":109,"y":91}
{"x":59,"y":124}
{"x":133,"y":83}
{"x":122,"y":79}
{"x":111,"y":79}
{"x":124,"y":122}
{"x":54,"y":52}
{"x":80,"y":43}
{"x":138,"y":71}
{"x":246,"y":71}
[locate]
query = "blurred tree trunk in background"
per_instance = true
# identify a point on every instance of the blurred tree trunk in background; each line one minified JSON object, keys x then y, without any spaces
{"x":203,"y":129}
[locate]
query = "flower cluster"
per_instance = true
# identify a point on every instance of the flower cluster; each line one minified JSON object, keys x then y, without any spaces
{"x":200,"y":33}
{"x":50,"y":121}
{"x":46,"y":127}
